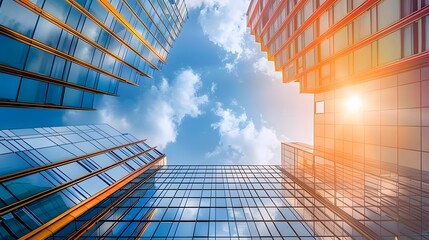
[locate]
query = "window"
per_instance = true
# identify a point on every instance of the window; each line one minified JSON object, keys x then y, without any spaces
{"x":388,"y":49}
{"x":9,"y":88}
{"x":340,"y":10}
{"x":392,"y":7}
{"x":39,"y":61}
{"x":32,"y":91}
{"x":48,"y":33}
{"x":13,"y":52}
{"x":72,"y":97}
{"x":320,"y":107}
{"x":340,"y":39}
{"x":362,"y":26}
{"x":362,"y":59}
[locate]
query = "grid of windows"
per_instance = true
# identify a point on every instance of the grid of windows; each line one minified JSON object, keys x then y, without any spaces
{"x":46,"y":171}
{"x":208,"y":202}
{"x":350,"y":38}
{"x":71,"y":50}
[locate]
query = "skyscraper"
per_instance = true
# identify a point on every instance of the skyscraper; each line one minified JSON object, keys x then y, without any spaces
{"x":367,"y":64}
{"x":48,"y":173}
{"x":60,"y":53}
{"x":86,"y":182}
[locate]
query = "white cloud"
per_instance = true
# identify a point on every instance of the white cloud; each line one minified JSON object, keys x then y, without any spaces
{"x":224,"y":22}
{"x":157,"y":113}
{"x":213,"y":88}
{"x":242,"y":142}
{"x":266,"y":67}
{"x":229,"y":67}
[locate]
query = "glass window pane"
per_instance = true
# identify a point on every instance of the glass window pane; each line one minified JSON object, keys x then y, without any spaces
{"x":27,"y":186}
{"x":9,"y":87}
{"x":388,"y":49}
{"x":55,"y":94}
{"x":46,"y":32}
{"x":39,"y":61}
{"x":13,"y":52}
{"x":72,"y":97}
{"x":77,"y":74}
{"x":18,"y":163}
{"x":32,"y":91}
{"x":23,"y":22}
{"x":57,"y":8}
{"x":392,"y":7}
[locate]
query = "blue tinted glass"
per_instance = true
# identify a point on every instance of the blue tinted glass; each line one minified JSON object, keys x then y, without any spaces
{"x":13,"y":52}
{"x":72,"y":97}
{"x":32,"y":91}
{"x":73,"y":170}
{"x":55,"y":94}
{"x":55,"y":153}
{"x":103,"y":83}
{"x":39,"y":142}
{"x":77,"y":74}
{"x":93,"y":185}
{"x":58,"y":68}
{"x":46,"y":32}
{"x":14,"y":225}
{"x":4,"y":234}
{"x":163,"y":229}
{"x":6,"y":197}
{"x":23,"y":22}
{"x":51,"y":206}
{"x":39,"y":61}
{"x":91,"y":30}
{"x":26,"y":186}
{"x":88,"y":100}
{"x":9,"y":87}
{"x":73,"y":18}
{"x":91,"y":78}
{"x":57,"y":8}
{"x":18,"y":163}
{"x":65,"y":42}
{"x":84,"y":51}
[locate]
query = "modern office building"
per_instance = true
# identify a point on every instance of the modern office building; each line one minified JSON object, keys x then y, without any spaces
{"x":93,"y":182}
{"x":367,"y":64}
{"x":49,"y":175}
{"x":60,"y":53}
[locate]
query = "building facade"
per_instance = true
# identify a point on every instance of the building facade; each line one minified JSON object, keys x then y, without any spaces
{"x":60,"y":53}
{"x":51,"y":174}
{"x":367,"y":64}
{"x":205,"y":202}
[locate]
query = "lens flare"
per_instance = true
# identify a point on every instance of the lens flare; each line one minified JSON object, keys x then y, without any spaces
{"x":354,"y":104}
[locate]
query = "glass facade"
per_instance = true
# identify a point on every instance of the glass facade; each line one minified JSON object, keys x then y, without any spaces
{"x":60,"y":53}
{"x":46,"y":172}
{"x":366,"y":62}
{"x":207,"y":202}
{"x":325,"y":44}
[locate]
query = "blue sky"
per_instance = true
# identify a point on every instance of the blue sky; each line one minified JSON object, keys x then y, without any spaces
{"x":216,"y":101}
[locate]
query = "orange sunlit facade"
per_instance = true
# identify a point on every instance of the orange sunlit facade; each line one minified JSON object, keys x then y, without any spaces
{"x":367,"y":64}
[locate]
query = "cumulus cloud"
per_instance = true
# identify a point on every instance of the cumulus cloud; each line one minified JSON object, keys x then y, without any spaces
{"x":157,"y":113}
{"x":266,"y":67}
{"x":224,"y":23}
{"x":213,"y":88}
{"x":241,"y":141}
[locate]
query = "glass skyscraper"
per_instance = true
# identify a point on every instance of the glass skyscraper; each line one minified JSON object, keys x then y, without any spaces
{"x":93,"y":182}
{"x":48,"y":175}
{"x":367,"y":64}
{"x":60,"y":53}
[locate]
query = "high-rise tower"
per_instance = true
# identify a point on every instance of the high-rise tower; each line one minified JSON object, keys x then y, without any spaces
{"x":367,"y":64}
{"x":48,"y":176}
{"x":60,"y":53}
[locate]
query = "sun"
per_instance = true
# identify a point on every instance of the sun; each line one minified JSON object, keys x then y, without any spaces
{"x":354,"y":104}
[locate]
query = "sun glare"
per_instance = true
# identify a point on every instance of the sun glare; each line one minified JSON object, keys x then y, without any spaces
{"x":353,"y":104}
